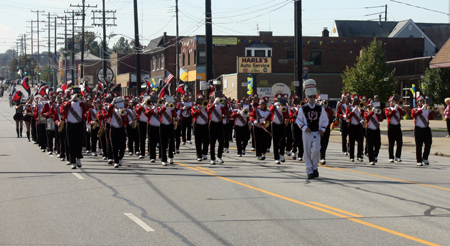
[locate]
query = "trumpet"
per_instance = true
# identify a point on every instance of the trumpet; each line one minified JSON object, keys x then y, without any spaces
{"x":61,"y":126}
{"x":205,"y":103}
{"x":362,"y":105}
{"x":283,"y":109}
{"x":266,"y":124}
{"x":171,"y":106}
{"x":122,"y":111}
{"x":325,"y":103}
{"x":96,"y":121}
{"x":221,"y":101}
{"x":377,"y":111}
{"x":159,"y":102}
{"x":148,"y":102}
{"x":401,"y":102}
{"x":245,"y":113}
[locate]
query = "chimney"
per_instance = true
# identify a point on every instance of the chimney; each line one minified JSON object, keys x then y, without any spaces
{"x":265,"y":34}
{"x":379,"y":21}
{"x":325,"y":32}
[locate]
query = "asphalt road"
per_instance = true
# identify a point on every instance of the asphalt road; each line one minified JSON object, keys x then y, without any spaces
{"x":242,"y":202}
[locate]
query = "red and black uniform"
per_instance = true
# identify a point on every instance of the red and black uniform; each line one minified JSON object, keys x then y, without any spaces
{"x":142,"y":119}
{"x":201,"y":134}
{"x":278,"y":131}
{"x":48,"y":111}
{"x":73,"y":116}
{"x":102,"y":121}
{"x":166,"y":131}
{"x":355,"y":116}
{"x":394,"y":116}
{"x":422,"y":132}
{"x":241,"y":129}
{"x":341,"y":113}
{"x":186,"y":121}
{"x":261,"y":137}
{"x":154,"y":124}
{"x":373,"y":135}
{"x":62,"y":140}
{"x":88,"y":130}
{"x":326,"y":135}
{"x":91,"y":141}
{"x":117,"y":134}
{"x":297,"y":133}
{"x":216,"y":114}
{"x":253,"y":105}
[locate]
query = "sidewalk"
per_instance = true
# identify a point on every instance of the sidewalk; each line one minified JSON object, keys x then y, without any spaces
{"x":440,"y":146}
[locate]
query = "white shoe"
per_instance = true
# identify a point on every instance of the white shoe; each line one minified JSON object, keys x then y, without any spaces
{"x":177,"y":151}
{"x":288,"y":153}
{"x":58,"y":155}
{"x":282,"y":158}
{"x":110,"y":161}
{"x":104,"y":158}
{"x":170,"y":161}
{"x":164,"y":163}
{"x":294,"y":156}
{"x":219,"y":160}
{"x":253,"y":149}
{"x":398,"y":160}
{"x":63,"y":159}
{"x":152,"y":160}
{"x":141,"y":157}
{"x":50,"y":153}
{"x":116,"y":165}
{"x":419,"y":164}
{"x":360,"y":159}
{"x":189,"y":142}
{"x":68,"y":163}
{"x":300,"y":159}
{"x":352,"y":160}
{"x":183,"y":143}
{"x":426,"y":162}
{"x":448,"y":136}
{"x":372,"y":163}
{"x":78,"y":162}
{"x":277,"y":162}
{"x":239,"y":155}
{"x":213,"y":162}
{"x":74,"y":166}
{"x":43,"y":150}
{"x":120,"y":162}
{"x":226,"y":150}
{"x":345,"y":153}
{"x":322,"y":162}
{"x":391,"y":160}
{"x":199,"y":159}
{"x":100,"y":152}
{"x":130,"y":153}
{"x":94,"y":153}
{"x":376,"y":159}
{"x":87,"y":152}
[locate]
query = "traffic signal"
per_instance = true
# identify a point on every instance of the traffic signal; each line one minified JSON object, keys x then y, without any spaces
{"x":17,"y":67}
{"x":25,"y":71}
{"x":3,"y":66}
{"x":39,"y":71}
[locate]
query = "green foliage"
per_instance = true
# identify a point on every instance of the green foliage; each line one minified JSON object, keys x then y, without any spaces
{"x":370,"y":75}
{"x":122,"y":46}
{"x":46,"y":75}
{"x":28,"y":61}
{"x":436,"y":84}
{"x":92,"y":45}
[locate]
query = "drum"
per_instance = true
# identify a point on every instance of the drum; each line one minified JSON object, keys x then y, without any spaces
{"x":50,"y":125}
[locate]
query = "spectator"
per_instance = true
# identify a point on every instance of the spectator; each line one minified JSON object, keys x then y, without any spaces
{"x":447,"y":115}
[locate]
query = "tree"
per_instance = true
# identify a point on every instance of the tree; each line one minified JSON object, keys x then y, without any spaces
{"x":92,"y":46}
{"x":436,"y":84}
{"x":28,"y":62}
{"x":370,"y":75}
{"x":122,"y":46}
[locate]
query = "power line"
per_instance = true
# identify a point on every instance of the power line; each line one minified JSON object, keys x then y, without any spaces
{"x":419,"y":7}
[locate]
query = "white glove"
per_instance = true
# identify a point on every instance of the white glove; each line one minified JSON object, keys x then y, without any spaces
{"x":277,"y":104}
{"x":262,"y":120}
{"x":185,"y":107}
{"x":396,"y":107}
{"x":250,"y":124}
{"x":362,"y":122}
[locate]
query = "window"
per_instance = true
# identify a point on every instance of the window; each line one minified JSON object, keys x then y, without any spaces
{"x":189,"y":59}
{"x":316,"y":57}
{"x":201,"y":57}
{"x":157,"y":63}
{"x":153,"y":63}
{"x":162,"y":62}
{"x":183,"y":60}
{"x":258,"y":52}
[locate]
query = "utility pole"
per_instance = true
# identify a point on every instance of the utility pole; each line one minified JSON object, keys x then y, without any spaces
{"x":83,"y":17}
{"x":137,"y":49}
{"x":298,"y":47}
{"x":38,"y":31}
{"x":208,"y":32}
{"x":385,"y":12}
{"x":32,"y":65}
{"x":177,"y":47}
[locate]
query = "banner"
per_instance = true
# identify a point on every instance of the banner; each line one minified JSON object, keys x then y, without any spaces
{"x":255,"y":64}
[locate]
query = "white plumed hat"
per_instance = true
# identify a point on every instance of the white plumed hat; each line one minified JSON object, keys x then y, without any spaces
{"x":310,"y":87}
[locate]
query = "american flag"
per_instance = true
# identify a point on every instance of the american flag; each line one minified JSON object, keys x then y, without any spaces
{"x":168,"y":78}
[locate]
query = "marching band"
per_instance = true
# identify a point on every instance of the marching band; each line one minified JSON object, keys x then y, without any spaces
{"x":64,"y":122}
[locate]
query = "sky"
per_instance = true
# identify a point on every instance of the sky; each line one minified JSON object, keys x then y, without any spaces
{"x":230,"y":17}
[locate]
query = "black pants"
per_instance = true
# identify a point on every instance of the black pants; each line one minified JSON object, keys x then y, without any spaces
{"x":74,"y":140}
{"x":41,"y":136}
{"x":50,"y":137}
{"x":153,"y":139}
{"x":422,"y":136}
{"x":216,"y":133}
{"x":142,"y":136}
{"x":447,"y":121}
{"x":56,"y":147}
{"x":108,"y":142}
{"x":62,"y":143}
{"x":230,"y":134}
{"x":343,"y":125}
{"x":177,"y":135}
{"x":373,"y":143}
{"x":133,"y":139}
{"x":186,"y":127}
{"x":166,"y":134}
{"x":262,"y":140}
{"x":201,"y":136}
{"x":279,"y":140}
{"x":355,"y":134}
{"x":94,"y":139}
{"x":395,"y":135}
{"x":33,"y":129}
{"x":289,"y":140}
{"x":87,"y":139}
{"x":226,"y":135}
{"x":103,"y":144}
{"x":324,"y":142}
{"x":297,"y":136}
{"x":242,"y":136}
{"x":118,"y":138}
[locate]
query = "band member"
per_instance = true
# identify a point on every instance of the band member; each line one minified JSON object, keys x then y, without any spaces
{"x":28,"y":116}
{"x":88,"y":126}
{"x":94,"y":123}
{"x":216,"y":113}
{"x":280,"y":118}
{"x":355,"y":115}
{"x":341,"y":113}
{"x":108,"y":99}
{"x":226,"y":124}
{"x":58,"y":119}
{"x":18,"y":117}
{"x":373,"y":118}
{"x":312,"y":120}
{"x":102,"y":151}
{"x":167,"y":114}
{"x":73,"y":112}
{"x":422,"y":115}
{"x":326,"y":135}
{"x":132,"y":129}
{"x":118,"y":118}
{"x":177,"y":131}
{"x":48,"y":112}
{"x":254,"y":104}
{"x":296,"y":131}
{"x":41,"y":122}
{"x":394,"y":114}
{"x":154,"y":124}
{"x":185,"y":106}
{"x":201,"y":134}
{"x":34,"y":109}
{"x":241,"y":127}
{"x":261,"y":117}
{"x":140,"y":111}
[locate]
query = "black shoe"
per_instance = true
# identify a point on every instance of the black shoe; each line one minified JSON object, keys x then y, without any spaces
{"x":311,"y":176}
{"x":316,"y":173}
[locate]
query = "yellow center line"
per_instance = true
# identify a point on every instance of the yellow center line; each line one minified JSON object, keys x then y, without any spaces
{"x":206,"y":169}
{"x":315,"y":207}
{"x":338,"y":210}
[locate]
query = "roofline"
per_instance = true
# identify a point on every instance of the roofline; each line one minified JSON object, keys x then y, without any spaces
{"x":412,"y":59}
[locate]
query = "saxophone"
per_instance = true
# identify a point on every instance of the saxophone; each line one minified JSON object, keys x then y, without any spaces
{"x":61,"y":126}
{"x":101,"y":131}
{"x":96,"y":121}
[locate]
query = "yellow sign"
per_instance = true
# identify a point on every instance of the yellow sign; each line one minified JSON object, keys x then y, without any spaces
{"x":224,"y":41}
{"x":255,"y":64}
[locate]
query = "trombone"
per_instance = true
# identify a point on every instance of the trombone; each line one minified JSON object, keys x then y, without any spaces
{"x":325,"y":103}
{"x":171,"y":106}
{"x":221,"y":101}
{"x":362,"y":105}
{"x":245,"y":113}
{"x":283,"y":109}
{"x":205,"y":103}
{"x":401,"y":102}
{"x":122,"y":111}
{"x":148,"y":102}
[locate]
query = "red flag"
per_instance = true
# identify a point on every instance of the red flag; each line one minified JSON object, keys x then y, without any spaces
{"x":164,"y":91}
{"x":41,"y":91}
{"x":17,"y":96}
{"x":25,"y":85}
{"x":180,"y":88}
{"x":148,"y":84}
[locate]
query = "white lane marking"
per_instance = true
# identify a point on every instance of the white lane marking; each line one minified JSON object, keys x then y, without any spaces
{"x":139,"y":222}
{"x":78,"y":176}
